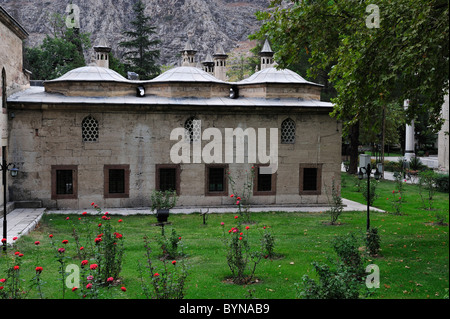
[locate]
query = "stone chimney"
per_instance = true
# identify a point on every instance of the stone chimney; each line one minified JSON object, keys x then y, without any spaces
{"x":188,"y":55}
{"x":102,"y":53}
{"x":220,"y":63}
{"x":266,"y":55}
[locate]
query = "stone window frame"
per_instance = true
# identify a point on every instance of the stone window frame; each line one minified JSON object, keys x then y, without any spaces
{"x":291,"y":138}
{"x":273,"y":183}
{"x":318,"y":191}
{"x":54,"y":169}
{"x":126,"y":193}
{"x":224,"y":192}
{"x":177,"y":168}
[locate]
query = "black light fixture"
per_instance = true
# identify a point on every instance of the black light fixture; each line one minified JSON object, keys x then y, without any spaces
{"x":368,"y":171}
{"x":234,"y":92}
{"x":140,"y":91}
{"x":13,"y":171}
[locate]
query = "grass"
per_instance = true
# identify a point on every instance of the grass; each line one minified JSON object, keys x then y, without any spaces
{"x":413,"y":261}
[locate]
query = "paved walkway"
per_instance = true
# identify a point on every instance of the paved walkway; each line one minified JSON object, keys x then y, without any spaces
{"x":23,"y":220}
{"x":20,"y":222}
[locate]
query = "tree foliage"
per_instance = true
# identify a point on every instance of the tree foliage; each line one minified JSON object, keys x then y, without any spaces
{"x":60,"y":51}
{"x":140,"y":56}
{"x":405,"y":58}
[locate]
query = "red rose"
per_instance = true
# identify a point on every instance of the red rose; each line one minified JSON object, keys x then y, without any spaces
{"x":174,"y":262}
{"x":84,"y":263}
{"x":39,"y":269}
{"x":93,"y":266}
{"x":50,"y":236}
{"x":65,"y":241}
{"x":16,"y":267}
{"x":156,"y":274}
{"x":123,"y":288}
{"x":37,"y":242}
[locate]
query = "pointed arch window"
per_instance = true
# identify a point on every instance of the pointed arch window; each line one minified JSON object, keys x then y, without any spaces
{"x":193,"y":129}
{"x":89,"y":129}
{"x":288,"y":131}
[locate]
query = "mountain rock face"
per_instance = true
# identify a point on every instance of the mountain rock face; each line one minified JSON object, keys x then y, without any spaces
{"x":205,"y":22}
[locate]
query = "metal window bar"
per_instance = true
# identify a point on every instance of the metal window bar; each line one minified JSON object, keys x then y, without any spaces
{"x":116,"y":181}
{"x":167,"y":179}
{"x":310,"y":179}
{"x":64,"y":182}
{"x":216,"y":179}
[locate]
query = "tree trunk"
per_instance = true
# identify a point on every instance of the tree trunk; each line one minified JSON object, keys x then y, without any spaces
{"x":354,"y":143}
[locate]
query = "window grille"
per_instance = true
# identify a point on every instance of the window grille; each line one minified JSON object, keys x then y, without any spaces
{"x":89,"y":128}
{"x":264,"y":182}
{"x":288,"y":131}
{"x":167,"y":179}
{"x":64,"y":182}
{"x":310,"y":179}
{"x":193,"y":129}
{"x":216,"y":179}
{"x":116,"y":181}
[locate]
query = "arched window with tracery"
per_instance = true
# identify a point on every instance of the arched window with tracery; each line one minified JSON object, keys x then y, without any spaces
{"x":288,"y":131}
{"x":89,"y":129}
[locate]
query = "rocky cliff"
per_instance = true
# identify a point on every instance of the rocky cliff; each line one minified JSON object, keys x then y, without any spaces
{"x":207,"y":22}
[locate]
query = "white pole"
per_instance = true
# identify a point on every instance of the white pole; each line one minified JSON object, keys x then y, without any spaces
{"x":409,"y":137}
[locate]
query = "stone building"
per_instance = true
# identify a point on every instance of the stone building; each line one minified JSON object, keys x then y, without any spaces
{"x":94,"y":136}
{"x":13,"y":77}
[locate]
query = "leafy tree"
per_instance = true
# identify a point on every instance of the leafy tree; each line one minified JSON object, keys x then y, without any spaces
{"x":405,"y":57}
{"x":140,"y":57}
{"x":60,"y":52}
{"x":116,"y":65}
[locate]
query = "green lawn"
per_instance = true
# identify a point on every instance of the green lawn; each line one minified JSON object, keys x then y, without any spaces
{"x":413,"y":262}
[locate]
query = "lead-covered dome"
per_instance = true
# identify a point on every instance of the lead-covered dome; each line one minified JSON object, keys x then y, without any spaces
{"x":185,"y":74}
{"x":91,"y":80}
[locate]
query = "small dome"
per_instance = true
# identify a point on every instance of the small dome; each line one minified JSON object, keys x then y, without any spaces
{"x":272,"y":75}
{"x":91,"y":73}
{"x":185,"y":74}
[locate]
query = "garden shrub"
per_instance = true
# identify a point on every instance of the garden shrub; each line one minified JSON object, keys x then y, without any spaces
{"x":342,"y":280}
{"x":373,"y":241}
{"x":241,"y":258}
{"x":170,"y":245}
{"x":441,"y":182}
{"x":268,"y":244}
{"x":166,"y":282}
{"x":427,"y":188}
{"x":336,"y":204}
{"x":373,"y":192}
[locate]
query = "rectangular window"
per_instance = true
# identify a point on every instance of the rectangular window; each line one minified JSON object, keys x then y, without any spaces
{"x":310,"y":179}
{"x":64,"y":182}
{"x":168,"y":177}
{"x":216,"y":180}
{"x":117,"y":181}
{"x":264,"y":184}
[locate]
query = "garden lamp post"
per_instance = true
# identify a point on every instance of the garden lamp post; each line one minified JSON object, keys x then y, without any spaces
{"x":13,"y":171}
{"x":368,"y":171}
